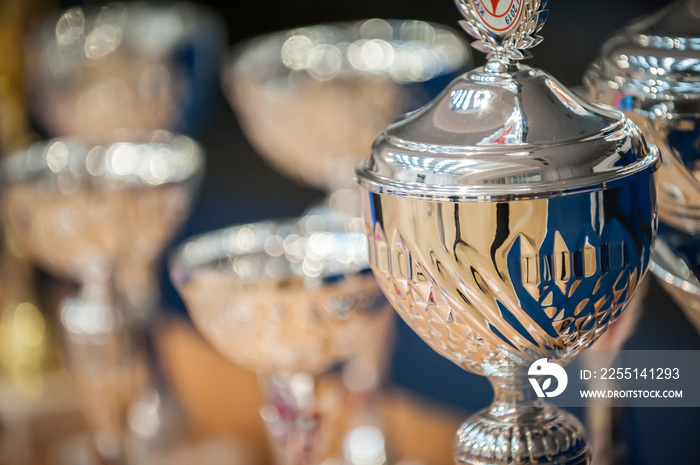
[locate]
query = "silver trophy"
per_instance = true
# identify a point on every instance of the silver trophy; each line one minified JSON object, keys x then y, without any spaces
{"x":649,"y":70}
{"x":511,"y":221}
{"x":289,"y":303}
{"x":101,"y":214}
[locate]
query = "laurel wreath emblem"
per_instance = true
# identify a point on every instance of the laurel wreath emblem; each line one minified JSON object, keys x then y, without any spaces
{"x":514,"y":46}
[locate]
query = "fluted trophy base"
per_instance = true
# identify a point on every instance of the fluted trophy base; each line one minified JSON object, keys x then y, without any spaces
{"x":537,"y":433}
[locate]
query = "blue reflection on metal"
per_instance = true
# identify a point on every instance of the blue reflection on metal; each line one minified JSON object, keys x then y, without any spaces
{"x":615,"y":226}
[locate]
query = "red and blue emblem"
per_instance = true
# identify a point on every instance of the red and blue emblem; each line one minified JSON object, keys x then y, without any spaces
{"x":499,"y":16}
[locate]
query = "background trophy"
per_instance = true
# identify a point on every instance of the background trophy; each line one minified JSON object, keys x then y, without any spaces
{"x":102,"y":215}
{"x":288,"y":303}
{"x":311,"y":101}
{"x":90,"y":73}
{"x":510,"y":221}
{"x":657,"y":88}
{"x":136,"y":66}
{"x":287,"y":89}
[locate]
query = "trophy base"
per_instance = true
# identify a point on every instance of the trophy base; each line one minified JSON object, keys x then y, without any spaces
{"x":540,"y":434}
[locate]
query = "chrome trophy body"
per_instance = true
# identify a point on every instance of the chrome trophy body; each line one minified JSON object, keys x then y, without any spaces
{"x":510,"y":221}
{"x":650,"y":71}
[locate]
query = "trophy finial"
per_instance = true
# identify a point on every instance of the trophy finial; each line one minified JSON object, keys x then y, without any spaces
{"x":504,"y":29}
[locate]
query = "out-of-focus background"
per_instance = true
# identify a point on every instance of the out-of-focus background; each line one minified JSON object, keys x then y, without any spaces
{"x":39,"y":423}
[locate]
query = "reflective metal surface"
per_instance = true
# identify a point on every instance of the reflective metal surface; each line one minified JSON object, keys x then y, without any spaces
{"x":494,"y":286}
{"x":534,"y":279}
{"x":650,"y":70}
{"x":287,"y":89}
{"x":135,"y":65}
{"x":676,"y":265}
{"x":510,"y":221}
{"x":653,"y":65}
{"x":108,"y":368}
{"x":311,"y":100}
{"x":504,"y":136}
{"x":101,"y":212}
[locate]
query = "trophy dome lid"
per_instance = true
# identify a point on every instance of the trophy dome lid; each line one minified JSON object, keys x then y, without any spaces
{"x":653,"y":65}
{"x":505,"y":131}
{"x":505,"y":135}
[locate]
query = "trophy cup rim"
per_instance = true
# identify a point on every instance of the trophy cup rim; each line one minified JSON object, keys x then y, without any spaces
{"x":338,"y":33}
{"x":190,"y":17}
{"x":154,"y":158}
{"x":346,"y":257}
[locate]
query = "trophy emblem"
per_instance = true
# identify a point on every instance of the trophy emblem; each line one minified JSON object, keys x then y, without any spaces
{"x":504,"y":32}
{"x":510,"y":221}
{"x":498,"y":15}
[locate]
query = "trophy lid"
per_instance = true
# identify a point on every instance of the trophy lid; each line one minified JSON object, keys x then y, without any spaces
{"x":653,"y":65}
{"x":505,"y":130}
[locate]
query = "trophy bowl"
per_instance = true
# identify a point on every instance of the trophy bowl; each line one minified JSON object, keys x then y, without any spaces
{"x":510,"y":222}
{"x":135,"y":65}
{"x":519,"y":288}
{"x":289,"y":303}
{"x":657,"y":87}
{"x":275,"y":300}
{"x":287,"y":89}
{"x":92,"y":211}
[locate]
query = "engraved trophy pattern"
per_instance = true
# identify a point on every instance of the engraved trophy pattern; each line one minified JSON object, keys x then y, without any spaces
{"x":520,"y":285}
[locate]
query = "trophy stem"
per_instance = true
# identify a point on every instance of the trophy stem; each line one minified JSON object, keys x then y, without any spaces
{"x":292,"y":418}
{"x":514,"y":400}
{"x":519,"y":429}
{"x":106,"y":363}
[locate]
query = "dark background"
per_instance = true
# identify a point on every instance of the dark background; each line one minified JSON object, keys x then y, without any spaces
{"x":574,"y":32}
{"x":240,"y":188}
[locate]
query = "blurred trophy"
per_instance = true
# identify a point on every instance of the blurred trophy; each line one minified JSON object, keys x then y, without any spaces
{"x":289,"y":303}
{"x":649,"y":70}
{"x":509,"y":223}
{"x":135,"y":66}
{"x":101,"y":214}
{"x":311,"y":101}
{"x":91,"y":74}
